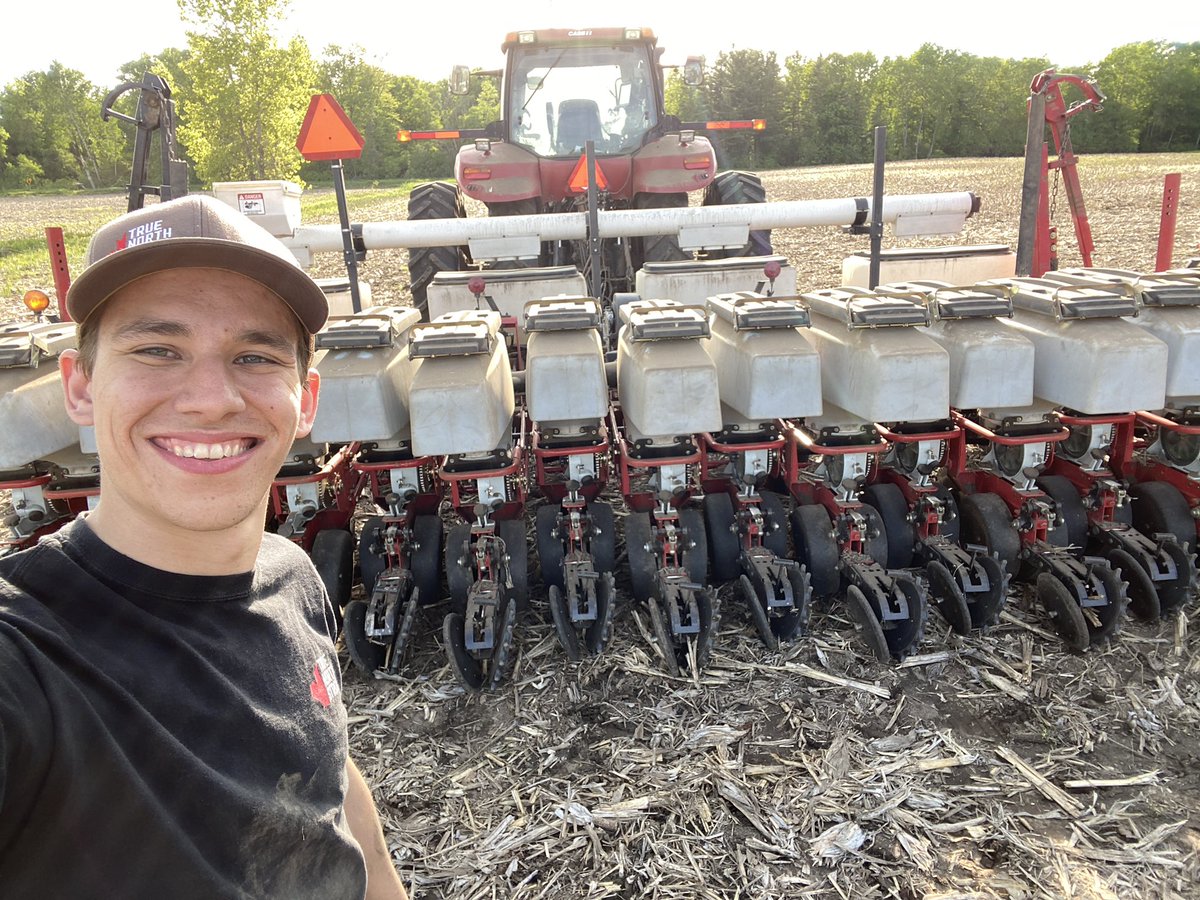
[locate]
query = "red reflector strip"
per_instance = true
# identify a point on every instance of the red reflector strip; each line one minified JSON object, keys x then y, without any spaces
{"x":475,"y":173}
{"x":404,"y":136}
{"x":756,"y":124}
{"x":697,"y":162}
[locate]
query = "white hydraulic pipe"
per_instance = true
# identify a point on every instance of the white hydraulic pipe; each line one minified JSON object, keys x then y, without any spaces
{"x":638,"y":222}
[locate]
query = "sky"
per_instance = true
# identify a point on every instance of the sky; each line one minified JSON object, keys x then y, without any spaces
{"x":424,"y":39}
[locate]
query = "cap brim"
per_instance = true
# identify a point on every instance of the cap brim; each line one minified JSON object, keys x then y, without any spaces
{"x":290,"y":283}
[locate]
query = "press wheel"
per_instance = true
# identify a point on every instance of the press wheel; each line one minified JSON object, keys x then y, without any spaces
{"x":504,"y":650}
{"x":563,"y":626}
{"x":1143,"y":597}
{"x":1112,"y":613}
{"x":364,"y":653}
{"x":951,"y":601}
{"x":866,"y":623}
{"x":597,"y":633}
{"x":465,"y":666}
{"x":666,"y":644}
{"x":403,"y":644}
{"x":459,"y":575}
{"x":1064,"y":609}
{"x":756,"y":604}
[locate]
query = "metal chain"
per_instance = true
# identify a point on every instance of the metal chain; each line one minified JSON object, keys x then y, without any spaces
{"x":1058,"y":173}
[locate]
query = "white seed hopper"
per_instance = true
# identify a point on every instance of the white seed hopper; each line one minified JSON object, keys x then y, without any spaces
{"x":565,"y":386}
{"x":1170,"y":310}
{"x":460,"y":394}
{"x":766,"y":367}
{"x":990,"y":366}
{"x":33,"y":418}
{"x":693,"y":282}
{"x":1087,"y":357}
{"x":508,"y":289}
{"x":364,"y":366}
{"x":953,"y":265}
{"x":666,"y":381}
{"x":874,"y":363}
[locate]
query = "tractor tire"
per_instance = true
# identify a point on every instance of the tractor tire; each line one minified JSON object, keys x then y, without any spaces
{"x":433,"y":200}
{"x":658,"y":247}
{"x":728,"y":189}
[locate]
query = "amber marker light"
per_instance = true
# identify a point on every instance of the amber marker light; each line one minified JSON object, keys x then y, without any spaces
{"x":37,"y":301}
{"x":755,"y":124}
{"x":404,"y":136}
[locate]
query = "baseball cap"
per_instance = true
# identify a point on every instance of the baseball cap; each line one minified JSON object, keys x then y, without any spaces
{"x":195,"y":231}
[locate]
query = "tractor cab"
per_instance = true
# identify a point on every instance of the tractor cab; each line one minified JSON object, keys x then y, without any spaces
{"x":565,"y":88}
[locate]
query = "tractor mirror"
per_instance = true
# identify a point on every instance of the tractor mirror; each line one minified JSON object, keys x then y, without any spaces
{"x":693,"y":71}
{"x":460,"y":80}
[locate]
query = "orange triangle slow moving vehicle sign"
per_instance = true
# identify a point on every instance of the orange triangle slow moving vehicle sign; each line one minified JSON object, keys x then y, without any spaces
{"x":578,"y":180}
{"x":327,"y":132}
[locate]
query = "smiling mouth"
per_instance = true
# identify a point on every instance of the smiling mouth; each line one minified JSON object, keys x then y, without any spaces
{"x":200,"y":450}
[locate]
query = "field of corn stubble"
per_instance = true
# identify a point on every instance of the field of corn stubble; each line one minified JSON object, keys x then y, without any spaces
{"x":993,"y":766}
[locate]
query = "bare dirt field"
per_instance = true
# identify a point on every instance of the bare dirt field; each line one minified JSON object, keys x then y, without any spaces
{"x":999,"y":765}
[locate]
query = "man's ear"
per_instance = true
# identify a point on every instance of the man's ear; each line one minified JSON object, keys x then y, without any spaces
{"x":308,"y":403}
{"x":77,"y":388}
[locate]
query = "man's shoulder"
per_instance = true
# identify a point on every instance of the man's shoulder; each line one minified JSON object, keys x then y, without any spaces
{"x":283,"y":566}
{"x":277,"y":550}
{"x":16,"y":568}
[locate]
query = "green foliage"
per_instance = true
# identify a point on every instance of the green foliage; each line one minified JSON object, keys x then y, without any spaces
{"x":21,"y":172}
{"x":53,"y":120}
{"x":249,"y":95}
{"x":745,"y":84}
{"x":240,"y":99}
{"x":428,"y":107}
{"x":826,"y":102}
{"x":364,"y":91}
{"x":683,"y":100}
{"x":418,"y":108}
{"x":1153,"y":90}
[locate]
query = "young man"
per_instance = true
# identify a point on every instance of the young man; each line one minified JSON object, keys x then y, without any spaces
{"x":170,"y":724}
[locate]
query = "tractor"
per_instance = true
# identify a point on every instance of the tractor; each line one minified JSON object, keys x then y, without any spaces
{"x":563,"y":91}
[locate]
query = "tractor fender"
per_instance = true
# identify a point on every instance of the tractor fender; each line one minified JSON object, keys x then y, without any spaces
{"x":500,"y":174}
{"x":666,"y":165}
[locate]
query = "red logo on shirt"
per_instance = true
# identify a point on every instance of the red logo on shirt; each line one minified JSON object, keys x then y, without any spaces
{"x":324,"y":685}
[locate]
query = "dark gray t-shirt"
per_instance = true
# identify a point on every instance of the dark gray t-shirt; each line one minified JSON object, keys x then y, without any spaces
{"x":168,"y":735}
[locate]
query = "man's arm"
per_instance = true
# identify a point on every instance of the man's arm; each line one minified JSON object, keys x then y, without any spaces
{"x":382,"y":881}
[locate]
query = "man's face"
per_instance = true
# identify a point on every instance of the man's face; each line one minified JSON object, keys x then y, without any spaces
{"x":195,"y":398}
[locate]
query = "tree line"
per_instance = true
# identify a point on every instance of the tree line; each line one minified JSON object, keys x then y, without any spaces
{"x":241,"y":97}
